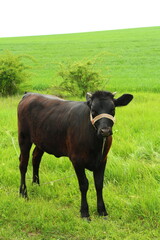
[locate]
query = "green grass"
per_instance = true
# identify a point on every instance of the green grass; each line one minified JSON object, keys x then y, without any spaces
{"x":129,"y":58}
{"x":132,"y":176}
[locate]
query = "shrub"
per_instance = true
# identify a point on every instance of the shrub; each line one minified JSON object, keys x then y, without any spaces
{"x":12,"y":73}
{"x":79,"y":77}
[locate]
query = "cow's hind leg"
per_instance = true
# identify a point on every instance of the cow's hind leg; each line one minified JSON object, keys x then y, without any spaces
{"x":36,"y":159}
{"x":25,"y":146}
{"x":83,"y":185}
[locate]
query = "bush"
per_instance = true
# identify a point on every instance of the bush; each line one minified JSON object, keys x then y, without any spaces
{"x":12,"y":73}
{"x":79,"y":77}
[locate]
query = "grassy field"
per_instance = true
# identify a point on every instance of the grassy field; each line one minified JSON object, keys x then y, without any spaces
{"x":130,"y":58}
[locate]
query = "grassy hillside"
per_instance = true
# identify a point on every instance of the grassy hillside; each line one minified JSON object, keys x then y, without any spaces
{"x":129,"y":58}
{"x":131,"y":186}
{"x":132,"y":178}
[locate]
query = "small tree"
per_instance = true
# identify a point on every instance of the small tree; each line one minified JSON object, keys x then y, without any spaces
{"x":80,"y":77}
{"x":12,"y":73}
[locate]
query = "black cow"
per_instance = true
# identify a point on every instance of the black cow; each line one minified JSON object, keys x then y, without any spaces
{"x":81,"y":131}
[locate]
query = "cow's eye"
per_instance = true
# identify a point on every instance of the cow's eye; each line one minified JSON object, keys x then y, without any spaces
{"x":113,"y":111}
{"x":94,"y":113}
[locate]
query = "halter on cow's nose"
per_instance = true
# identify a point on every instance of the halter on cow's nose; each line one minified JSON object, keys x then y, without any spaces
{"x":103,"y":115}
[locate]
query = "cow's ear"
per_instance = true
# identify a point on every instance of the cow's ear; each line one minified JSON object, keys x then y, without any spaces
{"x":88,"y":98}
{"x":123,"y":100}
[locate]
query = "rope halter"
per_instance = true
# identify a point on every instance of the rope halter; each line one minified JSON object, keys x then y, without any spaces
{"x":103,"y":115}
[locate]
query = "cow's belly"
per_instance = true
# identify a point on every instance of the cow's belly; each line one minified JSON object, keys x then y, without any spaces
{"x":50,"y":145}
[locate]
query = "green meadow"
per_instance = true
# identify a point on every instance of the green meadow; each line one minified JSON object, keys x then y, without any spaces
{"x":130,"y":60}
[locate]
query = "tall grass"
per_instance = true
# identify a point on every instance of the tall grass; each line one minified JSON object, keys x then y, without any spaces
{"x":131,"y":186}
{"x":132,"y":176}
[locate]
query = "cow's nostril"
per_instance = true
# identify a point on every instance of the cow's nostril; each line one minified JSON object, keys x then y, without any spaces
{"x":102,"y":130}
{"x":105,"y":132}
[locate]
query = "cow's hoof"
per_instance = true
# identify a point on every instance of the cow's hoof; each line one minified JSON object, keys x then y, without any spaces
{"x":23,"y":193}
{"x":87,"y":219}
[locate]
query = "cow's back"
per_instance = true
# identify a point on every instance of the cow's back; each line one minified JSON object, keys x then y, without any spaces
{"x":54,"y":125}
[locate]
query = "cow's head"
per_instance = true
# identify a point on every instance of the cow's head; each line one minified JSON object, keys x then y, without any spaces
{"x":102,"y":110}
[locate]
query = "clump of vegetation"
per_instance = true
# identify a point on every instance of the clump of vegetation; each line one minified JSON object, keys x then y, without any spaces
{"x":79,"y":77}
{"x":12,"y":73}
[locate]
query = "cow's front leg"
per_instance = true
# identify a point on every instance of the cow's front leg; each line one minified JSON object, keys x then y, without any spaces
{"x":83,"y":185}
{"x":98,"y":179}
